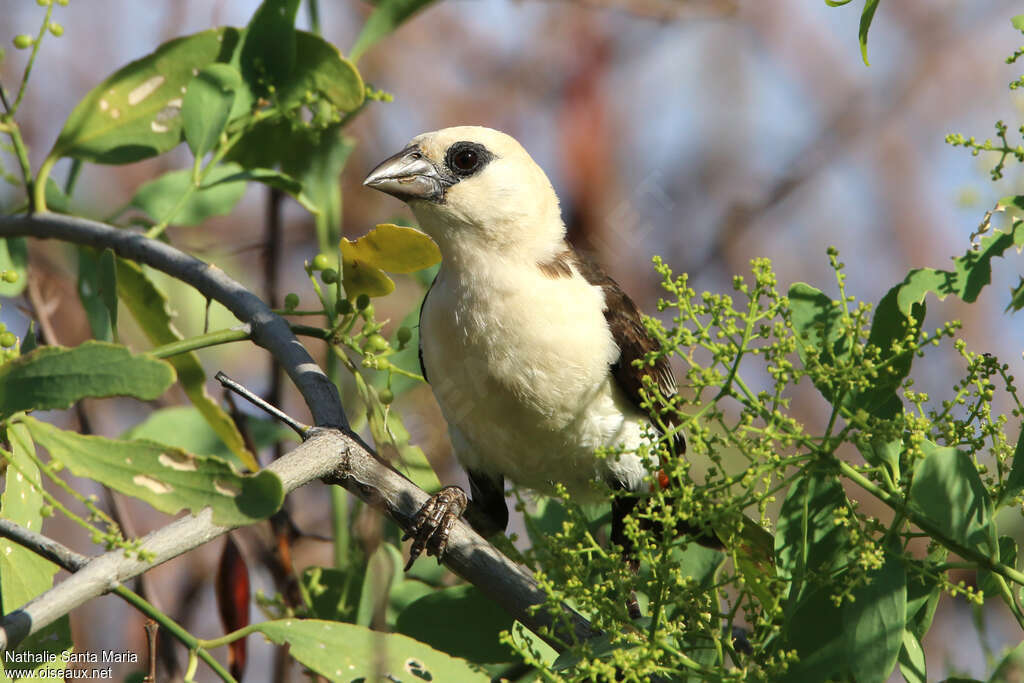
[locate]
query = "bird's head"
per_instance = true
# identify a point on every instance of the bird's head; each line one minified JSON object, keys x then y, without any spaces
{"x":475,"y":188}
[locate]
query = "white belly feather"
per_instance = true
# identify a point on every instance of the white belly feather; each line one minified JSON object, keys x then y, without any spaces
{"x":520,"y":368}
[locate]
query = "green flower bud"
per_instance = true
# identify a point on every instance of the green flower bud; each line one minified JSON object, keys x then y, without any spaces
{"x":367,"y":312}
{"x":376,"y":343}
{"x":56,"y":29}
{"x":329,"y":276}
{"x":10,"y":276}
{"x":362,"y":301}
{"x":7,"y":340}
{"x":23,"y":41}
{"x":291,"y":301}
{"x":321,"y":262}
{"x":343,"y":307}
{"x":404,"y":335}
{"x":386,"y":396}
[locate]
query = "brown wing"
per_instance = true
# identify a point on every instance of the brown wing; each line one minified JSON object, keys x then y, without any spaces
{"x":632,"y":338}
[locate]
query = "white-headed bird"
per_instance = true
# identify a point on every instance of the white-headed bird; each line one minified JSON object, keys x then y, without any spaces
{"x":528,"y":346}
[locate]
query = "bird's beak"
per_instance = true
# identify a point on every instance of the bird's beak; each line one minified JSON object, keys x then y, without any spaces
{"x":407,"y":175}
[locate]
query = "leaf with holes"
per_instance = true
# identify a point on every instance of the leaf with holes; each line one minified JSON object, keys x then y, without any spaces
{"x":136,"y":113}
{"x":169,"y":479}
{"x":347,"y":652}
{"x":54,"y":377}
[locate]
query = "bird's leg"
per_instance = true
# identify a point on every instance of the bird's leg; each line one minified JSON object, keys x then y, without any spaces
{"x":433,"y":523}
{"x":487,"y":513}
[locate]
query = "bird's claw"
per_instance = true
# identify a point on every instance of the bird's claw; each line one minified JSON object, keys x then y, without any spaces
{"x":434,"y":522}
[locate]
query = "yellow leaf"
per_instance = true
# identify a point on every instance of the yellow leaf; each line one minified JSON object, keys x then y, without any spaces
{"x":387,"y":247}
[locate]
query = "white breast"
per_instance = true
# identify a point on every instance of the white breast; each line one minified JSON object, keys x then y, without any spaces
{"x":519,"y":364}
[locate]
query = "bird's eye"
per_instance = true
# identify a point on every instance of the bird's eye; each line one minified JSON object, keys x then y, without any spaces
{"x":465,"y":160}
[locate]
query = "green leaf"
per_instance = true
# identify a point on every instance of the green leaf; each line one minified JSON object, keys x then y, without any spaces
{"x":987,"y":582}
{"x":816,"y":320}
{"x":333,"y":593}
{"x":268,"y":48}
{"x":860,"y":640}
{"x":31,"y":342}
{"x":348,"y":652}
{"x":807,"y":538}
{"x":1011,"y":667}
{"x":971,"y":272}
{"x":271,"y":178}
{"x":318,"y":166}
{"x":461,"y":621}
{"x":1014,"y":483}
{"x":149,"y":306}
{"x":387,"y":247}
{"x":167,"y":478}
{"x":865,"y":23}
{"x":924,"y":591}
{"x":56,"y":200}
{"x":97,"y":290}
{"x":160,"y":197}
{"x":890,"y":325}
{"x":881,"y":452}
{"x":948,"y":491}
{"x":23,"y":574}
{"x":136,"y":113}
{"x":185,"y":427}
{"x":321,"y":74}
{"x":387,"y":16}
{"x":912,"y":663}
{"x":14,"y":256}
{"x":1016,"y":297}
{"x":873,"y":621}
{"x":383,"y":573}
{"x":207,"y":105}
{"x":54,"y":377}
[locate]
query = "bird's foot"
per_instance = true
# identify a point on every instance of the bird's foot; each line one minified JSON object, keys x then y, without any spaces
{"x":433,"y":523}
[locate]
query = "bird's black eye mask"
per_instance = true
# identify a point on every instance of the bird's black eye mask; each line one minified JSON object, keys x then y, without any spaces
{"x":465,"y":159}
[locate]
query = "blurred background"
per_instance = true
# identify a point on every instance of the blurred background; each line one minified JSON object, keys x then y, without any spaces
{"x":706,"y":131}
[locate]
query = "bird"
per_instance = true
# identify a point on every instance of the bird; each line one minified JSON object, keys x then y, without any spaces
{"x":530,"y":348}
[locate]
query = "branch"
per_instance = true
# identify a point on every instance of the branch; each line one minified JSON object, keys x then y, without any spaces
{"x":268,"y":330}
{"x":44,"y":547}
{"x":336,"y":456}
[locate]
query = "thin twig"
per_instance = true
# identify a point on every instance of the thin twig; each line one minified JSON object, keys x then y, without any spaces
{"x":45,"y":547}
{"x":301,"y":429}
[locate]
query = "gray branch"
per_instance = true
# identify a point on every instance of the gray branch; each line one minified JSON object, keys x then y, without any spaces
{"x":268,"y":329}
{"x":335,"y":455}
{"x":47,"y":548}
